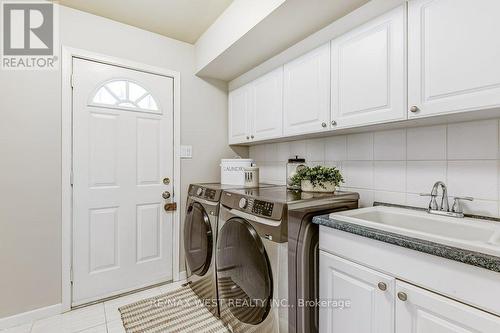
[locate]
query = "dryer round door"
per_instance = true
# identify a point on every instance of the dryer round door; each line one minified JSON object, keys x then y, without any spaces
{"x":244,"y":275}
{"x":198,"y":239}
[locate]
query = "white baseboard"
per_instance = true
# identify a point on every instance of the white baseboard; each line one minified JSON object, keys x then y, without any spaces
{"x":182,"y":275}
{"x":30,"y":316}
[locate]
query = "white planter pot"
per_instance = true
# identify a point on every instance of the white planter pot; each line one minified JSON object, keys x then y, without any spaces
{"x":306,"y":186}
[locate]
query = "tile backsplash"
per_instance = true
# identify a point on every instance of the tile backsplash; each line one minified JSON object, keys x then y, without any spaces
{"x":397,"y":165}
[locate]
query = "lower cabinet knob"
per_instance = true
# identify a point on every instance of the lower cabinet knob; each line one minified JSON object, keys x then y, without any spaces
{"x":382,"y":286}
{"x":252,"y":136}
{"x":248,"y":138}
{"x":402,"y":296}
{"x":334,"y":123}
{"x":414,"y":108}
{"x":323,"y":125}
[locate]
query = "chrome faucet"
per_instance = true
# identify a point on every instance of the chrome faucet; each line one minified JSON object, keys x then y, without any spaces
{"x":444,"y":208}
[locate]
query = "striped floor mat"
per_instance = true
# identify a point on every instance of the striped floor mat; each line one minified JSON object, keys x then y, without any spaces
{"x":177,"y":311}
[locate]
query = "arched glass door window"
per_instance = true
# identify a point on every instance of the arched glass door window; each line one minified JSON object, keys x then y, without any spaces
{"x":124,"y":94}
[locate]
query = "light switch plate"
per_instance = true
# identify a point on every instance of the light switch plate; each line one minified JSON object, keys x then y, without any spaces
{"x":186,"y":151}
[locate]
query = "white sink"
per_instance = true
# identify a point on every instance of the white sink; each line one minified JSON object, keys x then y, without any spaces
{"x":465,"y":233}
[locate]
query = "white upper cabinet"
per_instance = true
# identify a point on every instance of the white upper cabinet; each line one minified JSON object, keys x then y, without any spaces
{"x":239,"y":117}
{"x":370,"y":293}
{"x":307,"y":93}
{"x":267,"y":106}
{"x":256,"y":109}
{"x":453,"y":56}
{"x":368,"y":72}
{"x":422,"y":311}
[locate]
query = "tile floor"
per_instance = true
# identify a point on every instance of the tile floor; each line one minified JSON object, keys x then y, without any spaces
{"x":100,"y":318}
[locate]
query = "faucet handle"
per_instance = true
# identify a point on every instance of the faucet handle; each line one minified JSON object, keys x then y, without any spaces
{"x":433,"y":203}
{"x":457,"y":206}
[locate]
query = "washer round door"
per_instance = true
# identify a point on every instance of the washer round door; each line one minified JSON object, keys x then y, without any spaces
{"x":244,"y":275}
{"x":198,"y":239}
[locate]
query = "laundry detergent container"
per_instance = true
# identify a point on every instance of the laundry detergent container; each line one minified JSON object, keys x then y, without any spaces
{"x":232,"y":170}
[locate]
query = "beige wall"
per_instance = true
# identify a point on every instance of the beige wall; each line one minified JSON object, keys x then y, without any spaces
{"x":30,"y":150}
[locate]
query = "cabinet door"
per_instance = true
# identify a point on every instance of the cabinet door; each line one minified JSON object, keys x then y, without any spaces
{"x":368,"y":72}
{"x":307,"y":93}
{"x":371,"y":308}
{"x":239,"y":118}
{"x":453,"y":56}
{"x":426,"y":312}
{"x":267,"y":106}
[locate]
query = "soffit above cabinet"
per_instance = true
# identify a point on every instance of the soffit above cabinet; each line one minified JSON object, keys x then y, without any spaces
{"x":283,"y":26}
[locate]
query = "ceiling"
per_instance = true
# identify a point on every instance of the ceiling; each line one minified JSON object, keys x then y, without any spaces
{"x":184,"y":20}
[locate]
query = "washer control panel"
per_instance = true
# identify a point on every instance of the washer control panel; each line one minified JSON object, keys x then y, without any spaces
{"x":253,"y":206}
{"x":263,"y":208}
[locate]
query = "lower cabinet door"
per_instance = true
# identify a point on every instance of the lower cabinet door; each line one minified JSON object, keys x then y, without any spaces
{"x":421,"y":311}
{"x":354,"y":299}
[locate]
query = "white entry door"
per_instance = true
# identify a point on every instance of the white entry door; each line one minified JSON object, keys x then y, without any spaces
{"x":122,"y":155}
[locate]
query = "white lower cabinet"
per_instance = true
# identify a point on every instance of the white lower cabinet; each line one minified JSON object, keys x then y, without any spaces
{"x":422,"y":311}
{"x":370,"y":297}
{"x":378,"y":303}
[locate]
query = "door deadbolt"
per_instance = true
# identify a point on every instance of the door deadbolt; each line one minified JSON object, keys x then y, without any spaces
{"x":170,"y":207}
{"x":166,"y":195}
{"x":166,"y":180}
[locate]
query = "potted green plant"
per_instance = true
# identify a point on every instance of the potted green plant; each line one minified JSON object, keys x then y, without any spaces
{"x":318,"y":179}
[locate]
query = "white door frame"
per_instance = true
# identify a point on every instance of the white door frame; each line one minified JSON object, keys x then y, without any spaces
{"x":67,"y":55}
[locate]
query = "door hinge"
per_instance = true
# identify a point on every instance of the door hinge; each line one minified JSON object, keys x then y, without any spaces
{"x":71,"y":178}
{"x":72,"y":80}
{"x":71,"y":275}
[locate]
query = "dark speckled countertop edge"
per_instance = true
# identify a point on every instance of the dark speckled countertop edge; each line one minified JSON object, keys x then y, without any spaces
{"x":468,"y":257}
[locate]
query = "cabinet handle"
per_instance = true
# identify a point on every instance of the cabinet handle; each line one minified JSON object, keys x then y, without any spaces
{"x":323,"y":124}
{"x":252,"y":136}
{"x":402,"y":296}
{"x":248,"y":138}
{"x":334,"y":123}
{"x":414,"y":108}
{"x":382,"y":286}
